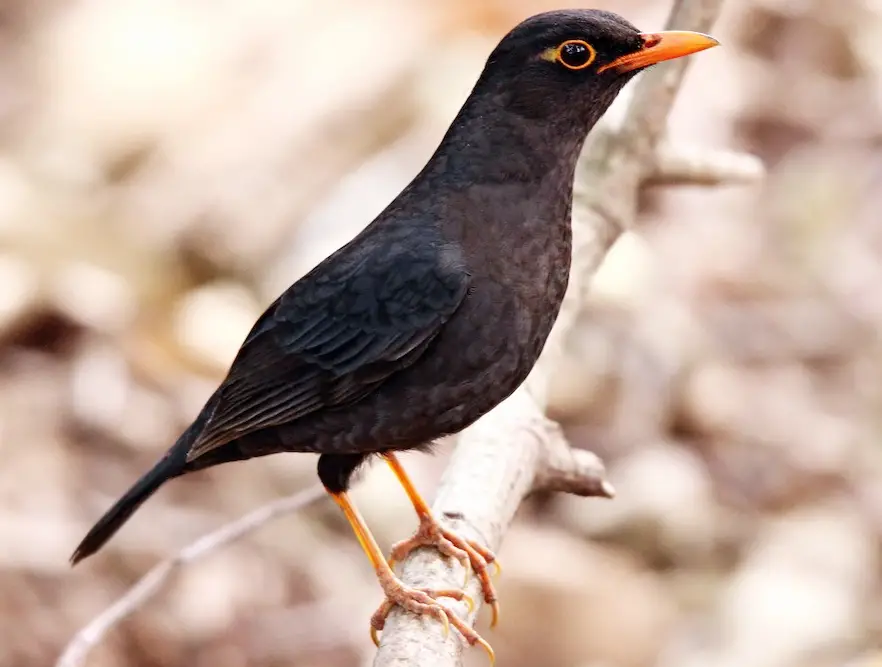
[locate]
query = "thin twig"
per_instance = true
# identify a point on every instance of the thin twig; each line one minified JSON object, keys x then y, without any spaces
{"x":155,"y":580}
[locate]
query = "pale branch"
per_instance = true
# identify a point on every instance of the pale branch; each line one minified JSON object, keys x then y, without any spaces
{"x":678,"y":164}
{"x":156,"y":579}
{"x":506,"y":454}
{"x":499,"y":460}
{"x":568,"y":470}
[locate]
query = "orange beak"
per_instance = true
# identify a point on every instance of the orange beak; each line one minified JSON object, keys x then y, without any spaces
{"x":659,"y":46}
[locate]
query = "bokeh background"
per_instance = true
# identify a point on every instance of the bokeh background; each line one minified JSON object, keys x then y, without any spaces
{"x":168,"y":166}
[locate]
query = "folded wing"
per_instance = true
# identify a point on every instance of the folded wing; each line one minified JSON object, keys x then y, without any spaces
{"x":335,"y":336}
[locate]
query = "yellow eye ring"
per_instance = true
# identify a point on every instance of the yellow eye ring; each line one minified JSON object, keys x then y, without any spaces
{"x":575,"y":54}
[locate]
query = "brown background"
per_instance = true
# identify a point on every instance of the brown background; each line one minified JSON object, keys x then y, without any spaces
{"x":167,"y":166}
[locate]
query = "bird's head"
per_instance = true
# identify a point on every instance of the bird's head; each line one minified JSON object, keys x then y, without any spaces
{"x":569,"y":65}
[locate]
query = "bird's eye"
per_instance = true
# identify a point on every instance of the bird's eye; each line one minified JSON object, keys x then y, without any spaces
{"x":575,"y":54}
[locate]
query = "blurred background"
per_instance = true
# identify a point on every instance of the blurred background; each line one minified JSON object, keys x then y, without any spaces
{"x":168,"y":166}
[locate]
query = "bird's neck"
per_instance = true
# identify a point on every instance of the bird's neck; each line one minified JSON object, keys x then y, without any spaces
{"x":499,"y":179}
{"x":490,"y":143}
{"x":501,"y":184}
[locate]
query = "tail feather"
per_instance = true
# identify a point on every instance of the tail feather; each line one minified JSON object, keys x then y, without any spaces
{"x":171,"y":465}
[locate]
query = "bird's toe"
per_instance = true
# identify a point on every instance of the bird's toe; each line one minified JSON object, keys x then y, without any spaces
{"x":424,"y":602}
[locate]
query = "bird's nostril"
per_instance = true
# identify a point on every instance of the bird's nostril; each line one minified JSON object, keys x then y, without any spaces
{"x":650,"y":40}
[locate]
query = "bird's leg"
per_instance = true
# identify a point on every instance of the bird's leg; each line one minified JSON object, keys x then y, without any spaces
{"x":420,"y":601}
{"x":432,"y":533}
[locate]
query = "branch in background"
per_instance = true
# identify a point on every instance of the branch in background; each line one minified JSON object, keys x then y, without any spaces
{"x":691,"y":165}
{"x":567,"y":470}
{"x":509,"y":452}
{"x":155,"y":580}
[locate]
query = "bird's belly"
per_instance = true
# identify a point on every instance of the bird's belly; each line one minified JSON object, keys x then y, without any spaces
{"x":444,"y":400}
{"x":478,"y":360}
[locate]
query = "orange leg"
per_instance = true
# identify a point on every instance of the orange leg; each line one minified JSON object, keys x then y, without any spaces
{"x":432,"y":533}
{"x":415,"y":600}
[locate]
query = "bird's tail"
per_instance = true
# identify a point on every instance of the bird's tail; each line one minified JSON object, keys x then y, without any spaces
{"x":170,"y":465}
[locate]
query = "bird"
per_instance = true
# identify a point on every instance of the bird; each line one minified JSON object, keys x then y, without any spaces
{"x":438,"y":309}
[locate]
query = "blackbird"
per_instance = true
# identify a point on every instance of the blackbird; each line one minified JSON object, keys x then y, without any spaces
{"x":438,"y":309}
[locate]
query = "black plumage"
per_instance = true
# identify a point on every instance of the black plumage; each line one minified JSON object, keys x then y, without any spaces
{"x":439,"y":308}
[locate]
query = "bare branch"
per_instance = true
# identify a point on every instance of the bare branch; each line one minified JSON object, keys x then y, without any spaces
{"x":677,"y":164}
{"x":575,"y":471}
{"x":155,"y":580}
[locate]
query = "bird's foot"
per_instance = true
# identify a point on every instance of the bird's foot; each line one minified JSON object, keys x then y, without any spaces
{"x":424,"y":602}
{"x":432,"y":534}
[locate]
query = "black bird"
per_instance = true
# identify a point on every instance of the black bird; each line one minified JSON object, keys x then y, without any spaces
{"x":439,"y":308}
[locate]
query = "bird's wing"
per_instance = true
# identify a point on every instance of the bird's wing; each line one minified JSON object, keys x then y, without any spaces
{"x":335,"y":335}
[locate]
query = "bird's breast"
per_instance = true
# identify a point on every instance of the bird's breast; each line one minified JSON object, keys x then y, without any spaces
{"x":517,"y":292}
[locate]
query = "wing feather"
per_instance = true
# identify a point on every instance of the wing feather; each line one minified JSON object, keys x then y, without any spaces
{"x":335,"y":336}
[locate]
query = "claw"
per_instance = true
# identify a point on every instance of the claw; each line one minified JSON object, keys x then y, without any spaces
{"x":490,"y":653}
{"x":494,"y":607}
{"x":374,"y":637}
{"x":442,"y":616}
